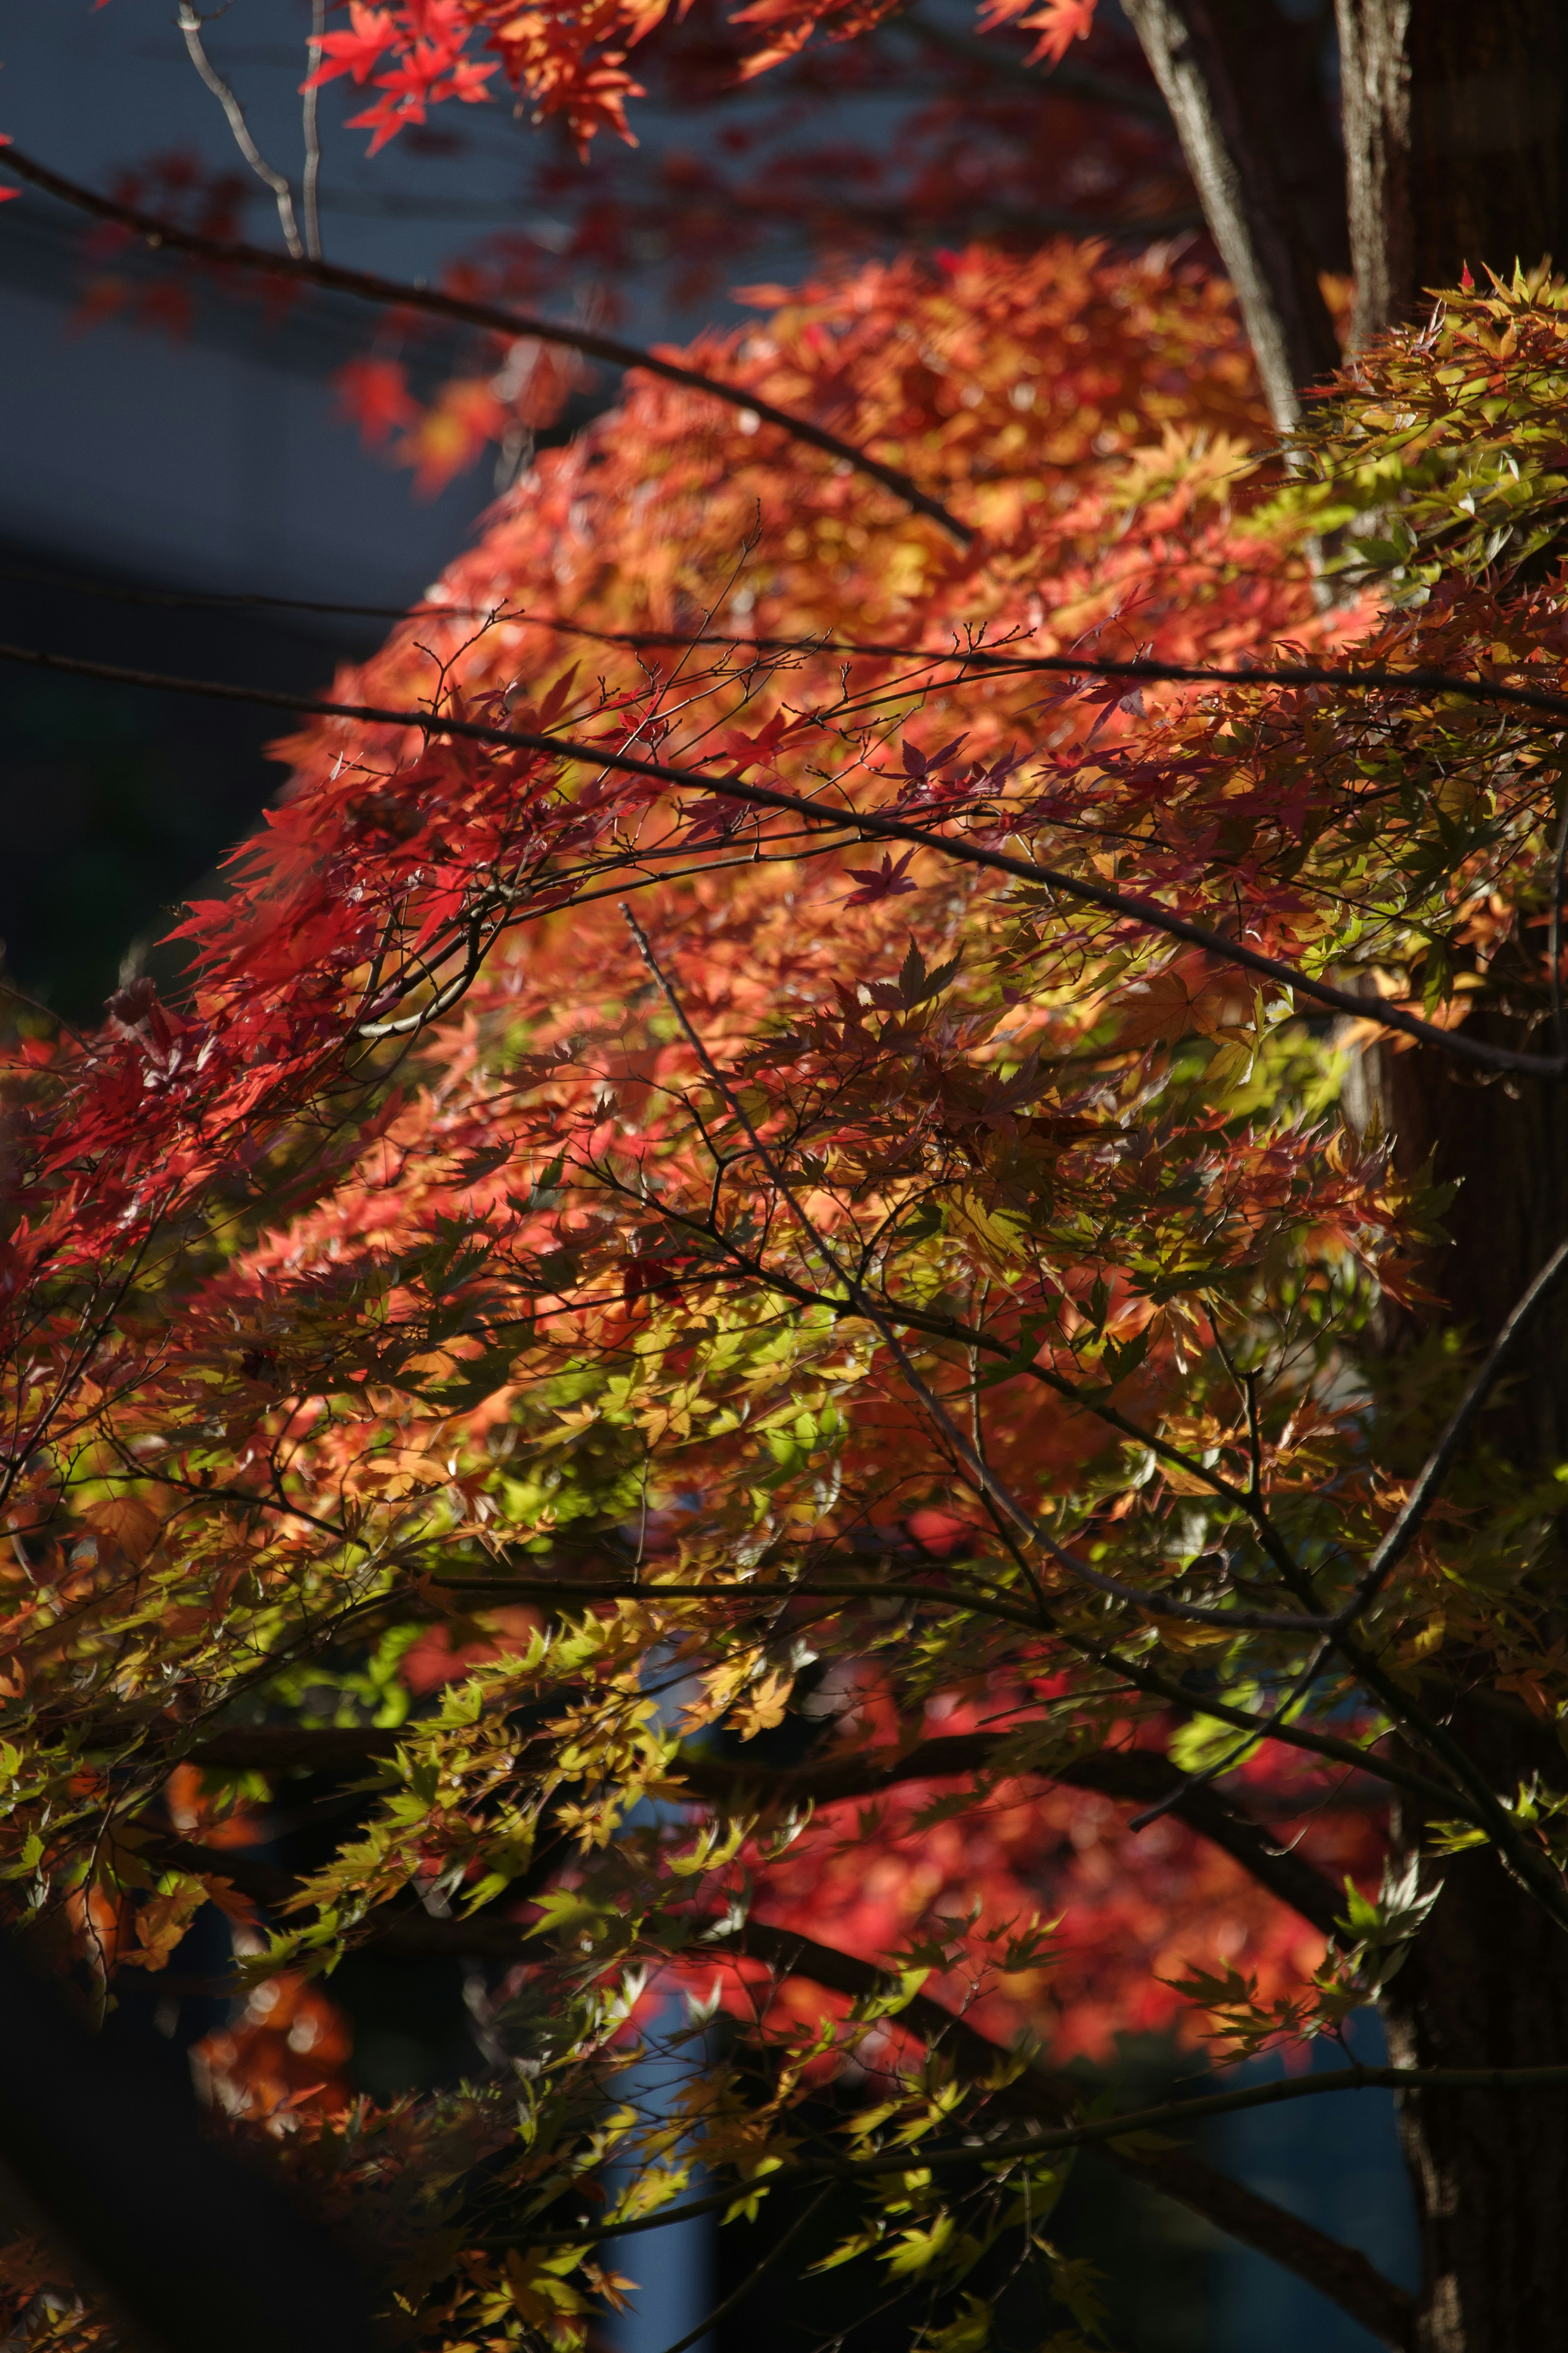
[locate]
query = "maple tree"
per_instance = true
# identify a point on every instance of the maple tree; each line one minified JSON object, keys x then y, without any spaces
{"x":986,"y":135}
{"x":791,"y":1279}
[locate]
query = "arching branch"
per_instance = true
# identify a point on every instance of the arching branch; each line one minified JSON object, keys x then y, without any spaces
{"x":1038,"y":2095}
{"x":875,"y":827}
{"x":1130,"y":1776}
{"x":365,"y":286}
{"x":1229,"y":153}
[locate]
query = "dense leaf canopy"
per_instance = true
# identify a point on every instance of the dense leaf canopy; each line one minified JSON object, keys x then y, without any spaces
{"x":728,"y":1291}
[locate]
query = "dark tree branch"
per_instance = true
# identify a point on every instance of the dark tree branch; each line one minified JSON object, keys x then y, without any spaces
{"x":388,"y":293}
{"x":1041,"y":2095}
{"x":1067,"y":78}
{"x":262,"y":1881}
{"x":1038,"y":2095}
{"x":1130,"y":1777}
{"x":195,"y":2248}
{"x":295,"y":1748}
{"x":1341,"y":2274}
{"x":875,"y":826}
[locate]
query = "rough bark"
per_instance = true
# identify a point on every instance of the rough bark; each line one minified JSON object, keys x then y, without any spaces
{"x":1200,"y":62}
{"x":1456,"y":130}
{"x":1486,"y":1985}
{"x":1487,"y":1981}
{"x":1502,"y":1144}
{"x":1456,"y":143}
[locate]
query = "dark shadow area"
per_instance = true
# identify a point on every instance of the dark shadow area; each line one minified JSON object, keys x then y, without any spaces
{"x":1336,"y":2162}
{"x":1156,"y":2261}
{"x":116,"y":801}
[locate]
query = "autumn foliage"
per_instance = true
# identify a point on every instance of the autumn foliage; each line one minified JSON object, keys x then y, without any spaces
{"x":781,"y":1379}
{"x":574,"y":62}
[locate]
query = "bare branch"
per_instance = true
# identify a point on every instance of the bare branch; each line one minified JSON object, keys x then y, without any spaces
{"x":366,"y":287}
{"x":190,"y":24}
{"x":1064,"y":77}
{"x":1428,"y":1486}
{"x":1001,"y":659}
{"x":310,"y":112}
{"x":758,"y":2272}
{"x":1125,"y":1775}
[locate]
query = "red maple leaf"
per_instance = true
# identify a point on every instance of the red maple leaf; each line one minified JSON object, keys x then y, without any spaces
{"x":884,"y":882}
{"x":375,"y":393}
{"x":358,"y":51}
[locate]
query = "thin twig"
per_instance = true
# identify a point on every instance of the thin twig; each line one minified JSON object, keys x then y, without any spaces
{"x":310,"y":119}
{"x":1060,"y":77}
{"x":979,"y":658}
{"x":737,"y":2295}
{"x":869,"y":823}
{"x":190,"y":24}
{"x":1269,"y":1727}
{"x":1159,"y":1605}
{"x":1019,"y":2147}
{"x":1440,"y":1460}
{"x":365,"y":286}
{"x":1140,"y":669}
{"x":9,"y":988}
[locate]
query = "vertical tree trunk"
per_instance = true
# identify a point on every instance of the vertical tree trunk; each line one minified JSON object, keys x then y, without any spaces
{"x":1486,"y":1986}
{"x":1456,"y":130}
{"x":1487,"y":1981}
{"x":1456,"y":143}
{"x":1457,"y":152}
{"x":1198,"y":57}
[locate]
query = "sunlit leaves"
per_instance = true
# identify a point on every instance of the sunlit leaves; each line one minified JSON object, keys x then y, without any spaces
{"x":689,"y":1397}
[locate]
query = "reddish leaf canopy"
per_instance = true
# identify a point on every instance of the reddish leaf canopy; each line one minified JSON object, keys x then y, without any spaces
{"x":573,"y":62}
{"x":871,"y":1305}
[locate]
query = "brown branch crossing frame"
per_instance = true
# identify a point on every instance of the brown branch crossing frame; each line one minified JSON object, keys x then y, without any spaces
{"x":365,"y":286}
{"x":1132,"y":1776}
{"x":875,"y":826}
{"x":1179,"y":2173}
{"x":1036,"y":2097}
{"x":1341,"y":2272}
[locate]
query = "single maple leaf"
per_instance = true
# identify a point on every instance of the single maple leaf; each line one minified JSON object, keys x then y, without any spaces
{"x":884,"y":882}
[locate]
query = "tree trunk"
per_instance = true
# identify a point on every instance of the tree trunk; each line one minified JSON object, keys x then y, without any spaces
{"x":1456,"y":153}
{"x":1486,"y":1986}
{"x":1456,"y":143}
{"x":1487,"y":1981}
{"x":1199,"y":58}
